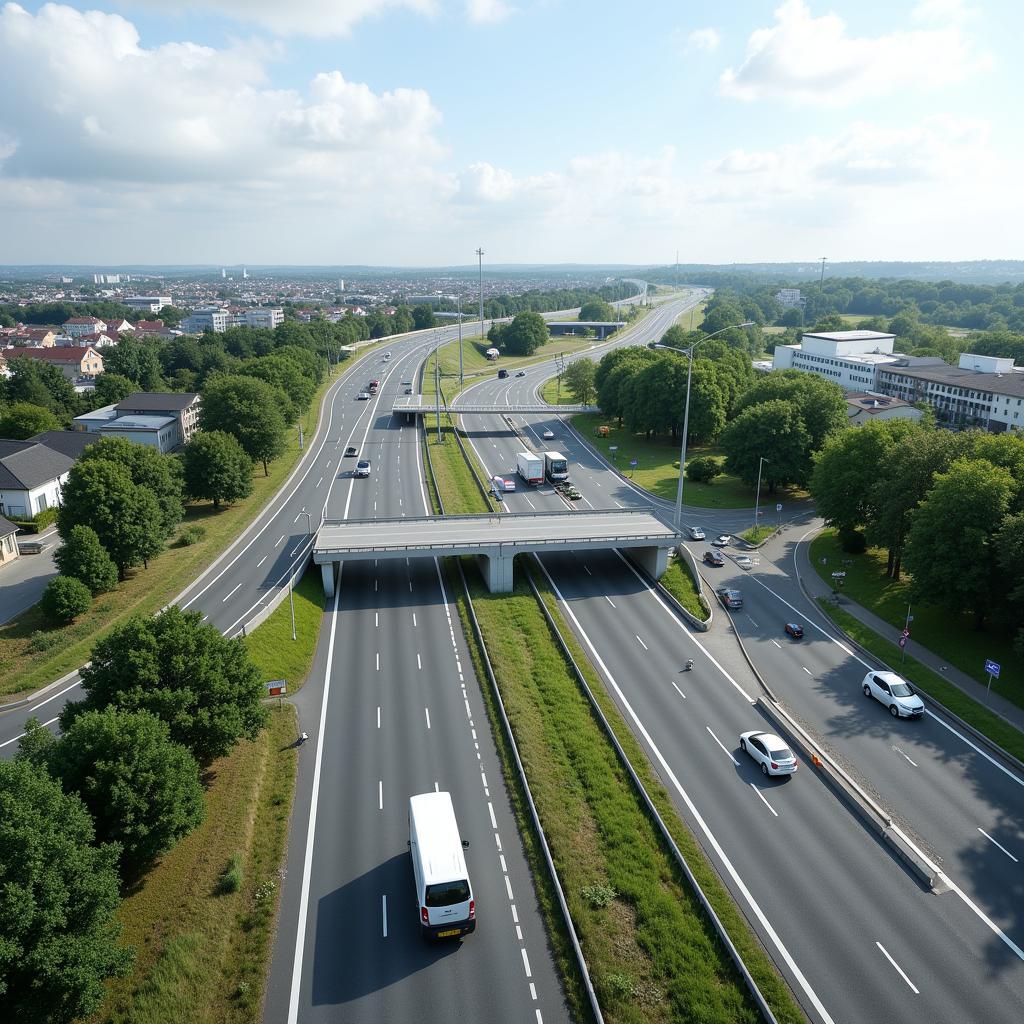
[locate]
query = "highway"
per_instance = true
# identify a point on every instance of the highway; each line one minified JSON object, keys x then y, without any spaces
{"x":852,"y":930}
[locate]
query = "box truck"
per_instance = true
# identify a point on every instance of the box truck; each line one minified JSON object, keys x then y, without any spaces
{"x":444,"y":896}
{"x":556,"y":468}
{"x":530,"y":467}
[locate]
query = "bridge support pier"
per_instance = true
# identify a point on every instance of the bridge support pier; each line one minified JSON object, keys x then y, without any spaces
{"x":653,"y":561}
{"x":329,"y":574}
{"x":497,"y":572}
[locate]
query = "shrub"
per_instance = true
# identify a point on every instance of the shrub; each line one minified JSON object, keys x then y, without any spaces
{"x":599,"y":895}
{"x":232,"y":876}
{"x":64,"y":599}
{"x":83,"y":557}
{"x":852,"y":541}
{"x":189,"y":536}
{"x":703,"y":470}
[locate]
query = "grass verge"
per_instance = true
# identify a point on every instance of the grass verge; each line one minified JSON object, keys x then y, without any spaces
{"x":756,"y":534}
{"x":931,"y":683}
{"x":652,"y":954}
{"x":452,"y":473}
{"x":32,"y":654}
{"x":952,"y":637}
{"x":555,"y":394}
{"x":679,"y":582}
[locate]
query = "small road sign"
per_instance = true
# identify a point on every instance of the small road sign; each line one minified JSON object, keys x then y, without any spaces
{"x":778,"y":507}
{"x":902,"y":641}
{"x":277,"y":688}
{"x":906,"y":633}
{"x":634,"y":462}
{"x":992,"y":668}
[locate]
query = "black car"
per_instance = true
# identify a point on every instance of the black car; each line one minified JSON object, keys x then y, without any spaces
{"x":351,"y":450}
{"x":713,"y":558}
{"x":795,"y":630}
{"x":731,"y":599}
{"x":521,"y":373}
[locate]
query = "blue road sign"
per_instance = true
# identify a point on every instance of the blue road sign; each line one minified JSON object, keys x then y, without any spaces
{"x":992,"y":668}
{"x":633,"y":462}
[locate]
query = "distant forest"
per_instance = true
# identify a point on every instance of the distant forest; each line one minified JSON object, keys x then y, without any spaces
{"x":800,"y":274}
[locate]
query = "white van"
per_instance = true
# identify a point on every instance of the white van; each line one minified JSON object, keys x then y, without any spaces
{"x":444,"y":897}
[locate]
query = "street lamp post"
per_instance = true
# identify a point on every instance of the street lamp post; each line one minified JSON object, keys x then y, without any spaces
{"x":462,"y":380}
{"x":688,"y":352}
{"x":480,"y":258}
{"x":757,"y":496}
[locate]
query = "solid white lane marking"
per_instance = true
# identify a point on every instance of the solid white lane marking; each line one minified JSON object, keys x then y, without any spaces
{"x":901,"y":972}
{"x":384,"y":913}
{"x":773,"y":936}
{"x":765,"y":802}
{"x":900,"y":752}
{"x":426,"y":711}
{"x":1001,"y":847}
{"x":262,"y":560}
{"x":1006,"y":771}
{"x":777,"y":644}
{"x":725,"y":749}
{"x":609,"y":600}
{"x":233,"y":589}
{"x":642,"y":644}
{"x":680,"y":692}
{"x":380,"y":795}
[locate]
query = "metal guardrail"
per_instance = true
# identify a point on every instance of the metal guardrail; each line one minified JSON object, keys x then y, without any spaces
{"x":734,"y":954}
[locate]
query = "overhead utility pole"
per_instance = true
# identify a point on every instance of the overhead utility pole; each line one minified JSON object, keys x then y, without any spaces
{"x":821,"y":280}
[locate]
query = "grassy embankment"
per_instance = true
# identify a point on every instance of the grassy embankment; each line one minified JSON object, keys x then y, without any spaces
{"x":649,"y":948}
{"x":952,"y":637}
{"x":202,"y":947}
{"x":679,"y":582}
{"x":33,"y":654}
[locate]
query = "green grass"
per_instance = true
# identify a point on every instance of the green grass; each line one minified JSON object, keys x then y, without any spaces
{"x":550,"y":393}
{"x":679,"y":582}
{"x":929,"y":682}
{"x":756,"y":534}
{"x":271,"y":645}
{"x":476,"y":363}
{"x":652,"y":954}
{"x":658,"y":470}
{"x":203,"y":951}
{"x":952,"y":637}
{"x":33,"y":654}
{"x":452,"y":474}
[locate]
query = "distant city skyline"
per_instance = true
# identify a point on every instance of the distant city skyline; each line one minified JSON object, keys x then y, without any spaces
{"x":406,"y":133}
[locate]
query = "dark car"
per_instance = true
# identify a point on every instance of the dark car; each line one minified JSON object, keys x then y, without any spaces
{"x":795,"y":630}
{"x":521,"y":373}
{"x":502,"y":374}
{"x":351,"y":450}
{"x":730,"y":598}
{"x":408,"y":391}
{"x":713,"y":558}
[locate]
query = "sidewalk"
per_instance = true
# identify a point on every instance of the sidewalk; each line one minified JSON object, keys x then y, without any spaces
{"x":816,"y":587}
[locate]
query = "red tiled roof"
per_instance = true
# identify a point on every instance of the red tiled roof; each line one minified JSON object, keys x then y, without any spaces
{"x":84,"y":320}
{"x":53,"y":355}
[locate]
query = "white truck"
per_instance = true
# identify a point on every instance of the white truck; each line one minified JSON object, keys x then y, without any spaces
{"x":444,"y":896}
{"x":530,"y":467}
{"x":556,"y":468}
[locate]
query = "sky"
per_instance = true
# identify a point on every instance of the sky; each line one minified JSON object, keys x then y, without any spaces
{"x":410,"y":132}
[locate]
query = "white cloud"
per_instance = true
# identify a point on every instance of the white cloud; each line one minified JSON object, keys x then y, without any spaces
{"x":703,"y":39}
{"x":296,"y":17}
{"x":487,"y":12}
{"x":814,"y":60}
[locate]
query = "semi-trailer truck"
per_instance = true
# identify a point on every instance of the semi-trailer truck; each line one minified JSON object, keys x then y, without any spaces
{"x":556,"y":468}
{"x":530,"y":467}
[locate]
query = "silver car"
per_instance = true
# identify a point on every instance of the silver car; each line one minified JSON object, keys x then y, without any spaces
{"x":695,"y":532}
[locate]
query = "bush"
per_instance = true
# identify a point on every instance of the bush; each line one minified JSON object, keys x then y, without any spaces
{"x":189,"y":536}
{"x":83,"y":557}
{"x":232,"y":876}
{"x":852,"y":541}
{"x":64,"y":599}
{"x":703,"y":470}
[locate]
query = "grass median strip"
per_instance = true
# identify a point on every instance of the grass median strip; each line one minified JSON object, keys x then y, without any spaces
{"x":679,"y":582}
{"x":452,"y":473}
{"x":653,"y":955}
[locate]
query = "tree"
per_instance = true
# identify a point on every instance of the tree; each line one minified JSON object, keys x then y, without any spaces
{"x":82,"y":557}
{"x":527,"y":333}
{"x":250,"y":410}
{"x":58,"y":936}
{"x":614,"y":371}
{"x":285,"y":375}
{"x":21,"y":420}
{"x":38,"y":383}
{"x":1009,"y":543}
{"x":596,"y":309}
{"x":423,"y":317}
{"x":64,"y":599}
{"x":703,"y":470}
{"x":579,"y":375}
{"x":216,"y":468}
{"x":110,"y":388}
{"x":775,"y":431}
{"x":202,"y":684}
{"x":127,"y":518}
{"x":403,"y":320}
{"x":142,"y":789}
{"x":821,"y":404}
{"x":149,"y":469}
{"x":135,"y":360}
{"x":951,"y":551}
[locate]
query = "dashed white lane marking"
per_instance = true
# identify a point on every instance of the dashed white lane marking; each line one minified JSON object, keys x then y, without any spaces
{"x":587,"y":570}
{"x":508,"y":888}
{"x":609,"y":600}
{"x":900,"y":971}
{"x":376,"y":619}
{"x":1001,"y":847}
{"x":413,"y":620}
{"x":419,"y":663}
{"x":426,"y":711}
{"x":900,"y":752}
{"x":378,"y":716}
{"x":378,"y":661}
{"x":726,"y":751}
{"x":526,"y":963}
{"x":320,"y":481}
{"x":279,"y":539}
{"x":384,"y":913}
{"x":490,"y":808}
{"x":765,"y":802}
{"x":808,"y":671}
{"x":226,"y":596}
{"x":642,"y":644}
{"x":777,"y":644}
{"x":752,"y":622}
{"x":262,"y":560}
{"x":680,"y":692}
{"x":380,"y":795}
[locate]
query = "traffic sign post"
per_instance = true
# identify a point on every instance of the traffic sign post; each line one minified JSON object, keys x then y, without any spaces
{"x":614,"y":448}
{"x":778,"y":508}
{"x":904,"y":637}
{"x":277,"y":688}
{"x":633,"y":463}
{"x":992,"y":668}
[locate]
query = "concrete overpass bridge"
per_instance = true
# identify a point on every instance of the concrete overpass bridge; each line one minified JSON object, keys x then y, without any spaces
{"x":601,"y":327}
{"x":412,"y":406}
{"x":495,"y":540}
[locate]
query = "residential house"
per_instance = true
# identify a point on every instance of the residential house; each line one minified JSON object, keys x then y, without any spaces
{"x":8,"y":541}
{"x":102,"y":339}
{"x":67,"y":442}
{"x":31,"y":477}
{"x":74,"y":362}
{"x":165,"y":421}
{"x":120,"y":326}
{"x":31,"y":337}
{"x":80,"y":325}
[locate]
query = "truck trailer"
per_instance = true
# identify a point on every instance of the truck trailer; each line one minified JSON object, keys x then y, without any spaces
{"x":530,"y":467}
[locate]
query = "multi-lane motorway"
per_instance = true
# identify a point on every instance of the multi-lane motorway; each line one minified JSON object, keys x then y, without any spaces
{"x":853,"y":931}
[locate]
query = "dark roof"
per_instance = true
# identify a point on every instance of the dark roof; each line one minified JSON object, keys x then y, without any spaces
{"x":27,"y":464}
{"x":156,"y":401}
{"x":953,"y":376}
{"x":875,"y":403}
{"x":7,"y":527}
{"x":71,"y":354}
{"x":68,"y":442}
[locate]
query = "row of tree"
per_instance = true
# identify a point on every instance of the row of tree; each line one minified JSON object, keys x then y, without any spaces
{"x":85,"y":815}
{"x":948,"y":507}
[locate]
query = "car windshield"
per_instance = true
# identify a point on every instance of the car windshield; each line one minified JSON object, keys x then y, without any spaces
{"x":782,"y":754}
{"x":445,"y":894}
{"x":900,"y":690}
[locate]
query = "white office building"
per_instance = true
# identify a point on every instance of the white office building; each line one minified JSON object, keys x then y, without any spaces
{"x":790,"y":298}
{"x":147,"y":303}
{"x":850,"y":358}
{"x":264,"y":316}
{"x":216,"y":320}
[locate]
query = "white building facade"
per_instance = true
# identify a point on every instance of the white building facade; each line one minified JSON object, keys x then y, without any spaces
{"x":264,"y":317}
{"x":849,"y":358}
{"x":201,"y":320}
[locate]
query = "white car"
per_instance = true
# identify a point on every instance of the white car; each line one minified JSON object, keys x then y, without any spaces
{"x":744,"y":562}
{"x":771,"y":753}
{"x":363,"y":396}
{"x":362,"y":468}
{"x":548,"y":435}
{"x":895,"y":693}
{"x":695,"y":532}
{"x":722,"y":541}
{"x":504,"y":483}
